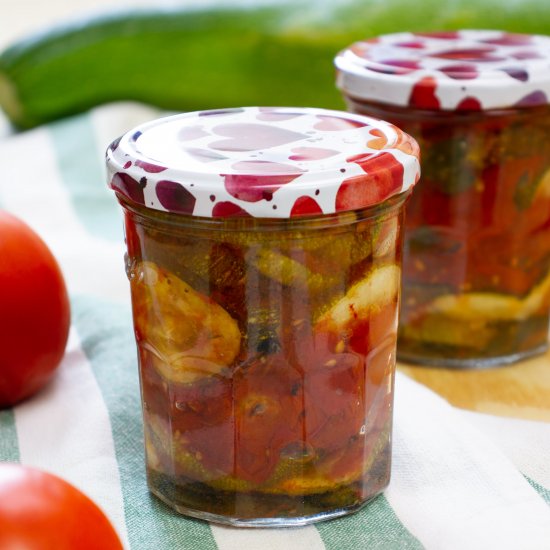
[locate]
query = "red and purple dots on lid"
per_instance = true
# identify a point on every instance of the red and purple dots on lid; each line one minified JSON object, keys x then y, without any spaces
{"x":469,"y":70}
{"x":262,"y":162}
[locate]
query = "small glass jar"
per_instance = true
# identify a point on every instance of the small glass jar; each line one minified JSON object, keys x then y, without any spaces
{"x":476,"y":261}
{"x":264,"y":259}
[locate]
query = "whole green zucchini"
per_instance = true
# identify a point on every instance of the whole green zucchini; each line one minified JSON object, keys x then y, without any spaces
{"x":277,"y":52}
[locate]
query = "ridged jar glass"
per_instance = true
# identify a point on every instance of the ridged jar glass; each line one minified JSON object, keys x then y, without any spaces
{"x":264,"y":259}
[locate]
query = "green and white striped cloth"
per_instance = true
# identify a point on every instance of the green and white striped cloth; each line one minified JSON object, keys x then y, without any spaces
{"x":461,"y":480}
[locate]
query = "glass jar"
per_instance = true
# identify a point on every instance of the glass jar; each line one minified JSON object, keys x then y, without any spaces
{"x":476,"y":265}
{"x":264,"y":254}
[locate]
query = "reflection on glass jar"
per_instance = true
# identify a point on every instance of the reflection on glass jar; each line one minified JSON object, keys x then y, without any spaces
{"x":267,"y":345}
{"x":476,"y":271}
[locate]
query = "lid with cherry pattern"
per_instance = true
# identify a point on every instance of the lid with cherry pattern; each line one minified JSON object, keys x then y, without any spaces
{"x":262,"y":162}
{"x":467,"y":70}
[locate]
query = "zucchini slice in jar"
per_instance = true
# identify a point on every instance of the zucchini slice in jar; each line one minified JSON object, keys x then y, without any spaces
{"x":189,"y":335}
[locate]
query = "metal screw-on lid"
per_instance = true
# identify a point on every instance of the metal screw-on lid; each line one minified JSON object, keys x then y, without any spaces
{"x":262,"y":162}
{"x":467,"y":70}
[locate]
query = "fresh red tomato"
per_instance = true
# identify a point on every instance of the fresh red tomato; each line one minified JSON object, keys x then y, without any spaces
{"x":34,"y":311}
{"x":40,"y":511}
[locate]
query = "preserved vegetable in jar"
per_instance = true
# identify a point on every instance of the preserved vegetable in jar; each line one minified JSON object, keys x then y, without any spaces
{"x":264,"y":259}
{"x":476,"y":261}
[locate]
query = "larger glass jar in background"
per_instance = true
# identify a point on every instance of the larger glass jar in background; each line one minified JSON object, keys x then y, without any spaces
{"x":476,"y":277}
{"x":264,"y":253}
